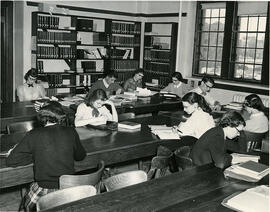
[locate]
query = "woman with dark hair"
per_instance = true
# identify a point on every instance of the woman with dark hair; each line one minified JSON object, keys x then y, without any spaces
{"x":52,"y":149}
{"x":131,"y":84}
{"x":178,"y":86}
{"x":200,"y":120}
{"x":211,"y":147}
{"x":30,"y":90}
{"x":93,"y":110}
{"x":257,"y":122}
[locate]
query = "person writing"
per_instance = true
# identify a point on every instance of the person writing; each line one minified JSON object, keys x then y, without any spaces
{"x":107,"y":84}
{"x":30,"y":90}
{"x":200,"y":120}
{"x":131,"y":84}
{"x":211,"y":146}
{"x":51,"y":148}
{"x":207,"y":83}
{"x":177,"y":86}
{"x":93,"y":110}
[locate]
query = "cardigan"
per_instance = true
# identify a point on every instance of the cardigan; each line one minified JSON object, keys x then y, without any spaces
{"x":131,"y":85}
{"x":109,"y":90}
{"x":52,"y":149}
{"x":211,"y":147}
{"x":179,"y":90}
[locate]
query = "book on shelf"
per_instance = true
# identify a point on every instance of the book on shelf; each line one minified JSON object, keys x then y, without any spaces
{"x":129,"y":125}
{"x":251,"y":200}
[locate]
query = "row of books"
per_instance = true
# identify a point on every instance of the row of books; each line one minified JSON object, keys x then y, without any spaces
{"x":83,"y":80}
{"x":125,"y":41}
{"x":40,"y":66}
{"x":125,"y":28}
{"x":56,"y":91}
{"x":121,"y":54}
{"x":56,"y":37}
{"x":56,"y":52}
{"x":123,"y":65}
{"x":156,"y":55}
{"x":158,"y":67}
{"x":48,"y":22}
{"x":123,"y":76}
{"x":59,"y":80}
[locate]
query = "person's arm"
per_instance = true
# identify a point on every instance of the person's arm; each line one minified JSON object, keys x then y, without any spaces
{"x":167,"y":88}
{"x":79,"y":151}
{"x":119,"y":89}
{"x":126,"y":85}
{"x":42,"y":91}
{"x":20,"y":93}
{"x":114,"y":115}
{"x":187,"y":127}
{"x":21,"y":155}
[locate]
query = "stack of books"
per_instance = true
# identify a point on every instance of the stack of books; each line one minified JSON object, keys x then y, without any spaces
{"x":248,"y":171}
{"x":234,"y":106}
{"x":163,"y":132}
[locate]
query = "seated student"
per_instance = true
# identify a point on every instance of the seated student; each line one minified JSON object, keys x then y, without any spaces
{"x":177,"y":86}
{"x":107,"y":84}
{"x":204,"y":89}
{"x":30,"y":90}
{"x":93,"y":111}
{"x":210,"y":147}
{"x":131,"y":84}
{"x":52,"y":148}
{"x":258,"y":122}
{"x":200,"y":120}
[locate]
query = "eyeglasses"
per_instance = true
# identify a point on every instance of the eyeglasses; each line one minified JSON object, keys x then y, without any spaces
{"x":208,"y":86}
{"x":32,"y":78}
{"x":238,"y":130}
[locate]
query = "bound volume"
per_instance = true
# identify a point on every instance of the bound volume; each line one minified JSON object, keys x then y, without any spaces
{"x":129,"y":125}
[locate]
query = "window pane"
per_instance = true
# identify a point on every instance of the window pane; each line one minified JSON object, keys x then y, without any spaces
{"x":204,"y":39}
{"x":238,"y":73}
{"x":252,"y":23}
{"x":240,"y":55}
{"x":211,"y":68}
{"x":220,"y":39}
{"x":221,"y":24}
{"x":250,"y":55}
{"x":262,"y":24}
{"x":260,"y":40}
{"x":213,"y":39}
{"x":205,"y":24}
{"x":259,"y":56}
{"x":202,"y":67}
{"x":248,"y":71}
{"x":241,"y":41}
{"x":215,"y":13}
{"x":222,"y":13}
{"x":243,"y":23}
{"x":257,"y":72}
{"x":218,"y":69}
{"x":203,"y":54}
{"x":212,"y":53}
{"x":251,"y":40}
{"x":207,"y":13}
{"x":219,"y":54}
{"x":214,"y":24}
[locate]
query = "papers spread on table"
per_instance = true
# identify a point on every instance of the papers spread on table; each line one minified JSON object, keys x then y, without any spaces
{"x":129,"y":125}
{"x":240,"y":158}
{"x":67,"y":101}
{"x":248,"y":171}
{"x":234,"y":106}
{"x":163,"y":132}
{"x":252,"y":200}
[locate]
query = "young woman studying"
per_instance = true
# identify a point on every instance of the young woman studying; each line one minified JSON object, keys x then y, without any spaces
{"x":211,"y":146}
{"x":200,"y":120}
{"x":52,"y":149}
{"x":93,"y":110}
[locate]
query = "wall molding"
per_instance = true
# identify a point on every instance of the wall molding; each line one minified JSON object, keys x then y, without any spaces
{"x":111,"y":12}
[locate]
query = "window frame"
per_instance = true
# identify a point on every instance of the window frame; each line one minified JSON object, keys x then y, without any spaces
{"x":228,"y":52}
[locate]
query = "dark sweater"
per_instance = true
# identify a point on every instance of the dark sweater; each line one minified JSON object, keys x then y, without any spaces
{"x":210,"y":147}
{"x":52,"y":149}
{"x":100,"y":85}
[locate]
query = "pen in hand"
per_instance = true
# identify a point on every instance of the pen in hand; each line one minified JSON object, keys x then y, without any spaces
{"x":176,"y":128}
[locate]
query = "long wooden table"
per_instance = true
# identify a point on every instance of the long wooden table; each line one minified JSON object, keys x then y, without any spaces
{"x":111,"y":146}
{"x":24,"y":111}
{"x":198,"y":189}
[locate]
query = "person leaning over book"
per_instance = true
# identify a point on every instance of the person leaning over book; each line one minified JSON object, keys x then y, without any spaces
{"x":51,"y":148}
{"x":200,"y":120}
{"x":93,"y":110}
{"x":210,"y":147}
{"x":107,"y":84}
{"x":131,"y":84}
{"x":178,"y":86}
{"x":30,"y":90}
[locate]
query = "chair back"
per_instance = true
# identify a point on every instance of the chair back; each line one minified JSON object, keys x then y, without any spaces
{"x":64,"y":196}
{"x":23,"y":126}
{"x":182,"y":158}
{"x":126,"y":116}
{"x":253,"y":140}
{"x":125,"y":179}
{"x":66,"y":181}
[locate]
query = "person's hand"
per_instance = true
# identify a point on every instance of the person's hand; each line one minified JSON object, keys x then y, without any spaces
{"x":175,"y":129}
{"x":217,"y":106}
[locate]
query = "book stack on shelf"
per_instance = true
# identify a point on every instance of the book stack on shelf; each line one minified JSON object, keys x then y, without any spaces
{"x":56,"y":37}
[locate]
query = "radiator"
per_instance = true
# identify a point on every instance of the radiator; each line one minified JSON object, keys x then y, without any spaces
{"x":241,"y":98}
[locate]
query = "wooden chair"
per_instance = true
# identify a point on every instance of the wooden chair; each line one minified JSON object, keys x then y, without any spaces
{"x":253,"y":140}
{"x":125,"y":179}
{"x":182,"y":158}
{"x":126,"y":116}
{"x":66,"y":181}
{"x":23,"y":126}
{"x":65,"y":196}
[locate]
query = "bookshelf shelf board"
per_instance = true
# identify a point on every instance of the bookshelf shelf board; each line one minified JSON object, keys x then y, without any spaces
{"x":62,"y":86}
{"x":122,"y":59}
{"x":105,"y":45}
{"x":46,"y":58}
{"x":56,"y":43}
{"x":56,"y":29}
{"x":157,"y":35}
{"x":44,"y":73}
{"x":159,"y":50}
{"x":91,"y":31}
{"x":126,"y":70}
{"x":90,"y":59}
{"x":123,"y":33}
{"x":125,"y":46}
{"x":87,"y":73}
{"x":157,"y":61}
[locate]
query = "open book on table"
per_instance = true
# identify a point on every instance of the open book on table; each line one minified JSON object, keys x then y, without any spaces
{"x":163,"y":132}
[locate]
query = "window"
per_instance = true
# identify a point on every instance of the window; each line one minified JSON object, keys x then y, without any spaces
{"x":230,"y":41}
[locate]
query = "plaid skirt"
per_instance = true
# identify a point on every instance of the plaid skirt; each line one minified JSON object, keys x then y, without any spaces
{"x":31,"y":197}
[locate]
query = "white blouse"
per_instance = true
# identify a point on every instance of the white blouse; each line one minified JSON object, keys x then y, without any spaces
{"x":257,"y":123}
{"x":84,"y":116}
{"x":197,"y":124}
